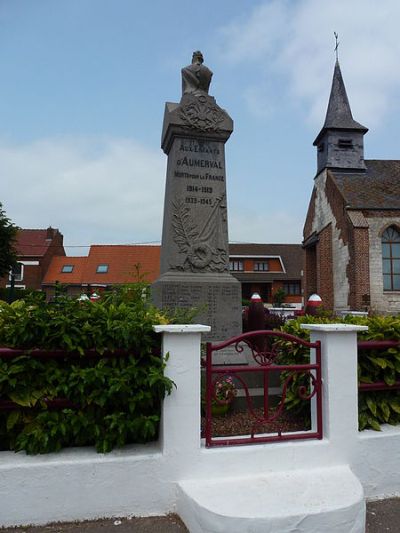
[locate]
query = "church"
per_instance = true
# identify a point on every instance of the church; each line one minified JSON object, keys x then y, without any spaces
{"x":352,"y":228}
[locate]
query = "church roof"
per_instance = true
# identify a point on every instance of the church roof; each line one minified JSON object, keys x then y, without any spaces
{"x":377,"y":188}
{"x":338,"y":114}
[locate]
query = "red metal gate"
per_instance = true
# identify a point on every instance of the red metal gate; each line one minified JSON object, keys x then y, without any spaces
{"x":267,"y":349}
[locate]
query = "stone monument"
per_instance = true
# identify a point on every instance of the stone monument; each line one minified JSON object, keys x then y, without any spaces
{"x":194,"y":251}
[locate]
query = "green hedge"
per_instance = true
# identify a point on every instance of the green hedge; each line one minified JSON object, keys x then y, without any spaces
{"x":118,"y":398}
{"x":375,"y":408}
{"x":7,"y":294}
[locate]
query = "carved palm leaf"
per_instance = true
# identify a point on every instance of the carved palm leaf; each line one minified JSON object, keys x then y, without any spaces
{"x":186,"y":231}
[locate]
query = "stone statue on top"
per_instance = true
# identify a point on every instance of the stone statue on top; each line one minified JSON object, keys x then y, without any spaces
{"x":196,"y":78}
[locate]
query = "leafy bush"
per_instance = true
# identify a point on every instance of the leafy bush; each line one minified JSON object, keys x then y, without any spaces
{"x":375,"y":408}
{"x":117,"y":399}
{"x":17,"y":294}
{"x":279,"y":297}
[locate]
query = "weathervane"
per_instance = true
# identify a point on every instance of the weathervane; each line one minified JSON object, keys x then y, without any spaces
{"x":337,"y":45}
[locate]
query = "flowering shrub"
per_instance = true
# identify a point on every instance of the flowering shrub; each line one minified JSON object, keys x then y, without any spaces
{"x":225,"y":391}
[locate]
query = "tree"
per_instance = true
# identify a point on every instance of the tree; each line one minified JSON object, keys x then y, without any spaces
{"x":279,"y":297}
{"x":8,"y":233}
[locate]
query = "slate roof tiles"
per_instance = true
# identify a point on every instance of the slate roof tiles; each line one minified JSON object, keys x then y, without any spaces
{"x":377,"y":188}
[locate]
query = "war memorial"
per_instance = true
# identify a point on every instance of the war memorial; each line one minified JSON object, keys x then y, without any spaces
{"x":194,"y":270}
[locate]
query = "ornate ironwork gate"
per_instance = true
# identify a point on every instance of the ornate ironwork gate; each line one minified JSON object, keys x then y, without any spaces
{"x":269,"y":350}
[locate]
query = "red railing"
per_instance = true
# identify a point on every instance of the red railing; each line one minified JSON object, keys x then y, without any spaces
{"x":264,"y":347}
{"x":54,"y":403}
{"x":378,"y":345}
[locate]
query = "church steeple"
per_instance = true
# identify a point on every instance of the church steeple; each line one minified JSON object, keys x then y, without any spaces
{"x":340,"y":142}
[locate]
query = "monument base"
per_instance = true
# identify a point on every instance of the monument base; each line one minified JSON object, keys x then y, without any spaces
{"x":217,"y":298}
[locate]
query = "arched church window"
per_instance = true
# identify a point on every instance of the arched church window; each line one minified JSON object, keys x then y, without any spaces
{"x":391,"y":259}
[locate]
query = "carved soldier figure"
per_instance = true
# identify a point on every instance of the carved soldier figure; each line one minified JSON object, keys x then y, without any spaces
{"x":196,"y":78}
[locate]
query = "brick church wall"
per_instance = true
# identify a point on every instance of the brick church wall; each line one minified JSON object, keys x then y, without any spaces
{"x":324,"y":267}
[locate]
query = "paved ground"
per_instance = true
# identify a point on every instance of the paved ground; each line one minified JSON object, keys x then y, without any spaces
{"x":165,"y":524}
{"x":382,"y":517}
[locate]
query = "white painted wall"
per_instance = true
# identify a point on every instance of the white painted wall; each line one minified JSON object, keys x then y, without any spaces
{"x":78,"y":484}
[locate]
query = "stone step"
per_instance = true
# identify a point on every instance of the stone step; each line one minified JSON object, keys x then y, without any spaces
{"x":320,"y":500}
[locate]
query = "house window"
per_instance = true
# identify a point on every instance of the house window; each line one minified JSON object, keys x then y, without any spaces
{"x":67,"y":269}
{"x":292,"y":288}
{"x":236,"y":266}
{"x":17,"y":271}
{"x":391,"y":259}
{"x":102,"y":269}
{"x":261,"y":266}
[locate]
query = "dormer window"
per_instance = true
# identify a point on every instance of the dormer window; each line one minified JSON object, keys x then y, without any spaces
{"x":261,"y":266}
{"x":102,"y":269}
{"x":236,"y":266}
{"x":345,"y":143}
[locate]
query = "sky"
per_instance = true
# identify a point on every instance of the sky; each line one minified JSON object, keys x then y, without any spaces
{"x":84,"y":85}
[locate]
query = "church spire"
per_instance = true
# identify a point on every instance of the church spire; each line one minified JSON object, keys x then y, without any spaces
{"x":340,"y":141}
{"x":338,"y":114}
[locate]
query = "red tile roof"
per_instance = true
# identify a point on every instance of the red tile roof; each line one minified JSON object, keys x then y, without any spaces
{"x":126,"y":264}
{"x":54,"y":272}
{"x":32,"y":242}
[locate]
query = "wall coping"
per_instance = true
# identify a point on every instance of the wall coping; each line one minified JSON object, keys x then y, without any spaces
{"x":337,"y":328}
{"x":181,"y":328}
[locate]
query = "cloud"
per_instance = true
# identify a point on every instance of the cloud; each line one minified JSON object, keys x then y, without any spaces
{"x":111,"y":191}
{"x":93,"y":190}
{"x":245,"y":225}
{"x":293,"y":43}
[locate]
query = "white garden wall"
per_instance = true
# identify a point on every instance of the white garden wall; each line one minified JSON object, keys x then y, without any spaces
{"x":78,"y":484}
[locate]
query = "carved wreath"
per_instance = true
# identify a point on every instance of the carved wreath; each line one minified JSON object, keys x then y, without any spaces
{"x":199,"y":113}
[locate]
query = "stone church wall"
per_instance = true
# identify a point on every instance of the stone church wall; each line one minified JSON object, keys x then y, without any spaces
{"x":385,"y":302}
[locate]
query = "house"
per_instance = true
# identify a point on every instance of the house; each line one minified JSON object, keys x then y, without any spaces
{"x":35,"y":250}
{"x":266,"y":268}
{"x":352,"y":229}
{"x":105,"y":266}
{"x":262,"y":268}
